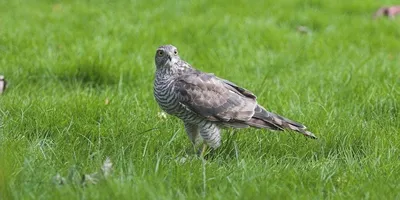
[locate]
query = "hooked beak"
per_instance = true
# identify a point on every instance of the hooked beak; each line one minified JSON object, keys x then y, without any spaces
{"x":169,"y":57}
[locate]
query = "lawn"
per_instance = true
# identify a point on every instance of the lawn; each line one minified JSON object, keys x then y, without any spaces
{"x":81,"y":73}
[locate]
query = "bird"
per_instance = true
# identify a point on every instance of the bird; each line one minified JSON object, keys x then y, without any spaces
{"x":3,"y":84}
{"x":207,"y":104}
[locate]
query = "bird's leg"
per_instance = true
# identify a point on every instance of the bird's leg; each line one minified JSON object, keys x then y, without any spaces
{"x":211,"y":138}
{"x":203,"y":150}
{"x":192,"y":131}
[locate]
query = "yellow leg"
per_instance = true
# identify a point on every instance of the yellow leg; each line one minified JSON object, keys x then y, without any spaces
{"x":203,"y":150}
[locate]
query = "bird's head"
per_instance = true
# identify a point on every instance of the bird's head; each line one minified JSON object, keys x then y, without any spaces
{"x":166,"y":56}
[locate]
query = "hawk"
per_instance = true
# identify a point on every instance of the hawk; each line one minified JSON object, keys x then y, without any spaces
{"x":206,"y":103}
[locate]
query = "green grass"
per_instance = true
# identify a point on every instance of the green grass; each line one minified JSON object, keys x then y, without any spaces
{"x":64,"y":59}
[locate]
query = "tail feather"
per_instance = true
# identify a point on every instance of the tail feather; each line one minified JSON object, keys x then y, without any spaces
{"x":265,"y":119}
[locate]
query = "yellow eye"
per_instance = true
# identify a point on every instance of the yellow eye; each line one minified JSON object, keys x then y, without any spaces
{"x":176,"y":52}
{"x":160,"y":53}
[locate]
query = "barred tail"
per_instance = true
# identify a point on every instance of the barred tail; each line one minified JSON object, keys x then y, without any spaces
{"x":268,"y":120}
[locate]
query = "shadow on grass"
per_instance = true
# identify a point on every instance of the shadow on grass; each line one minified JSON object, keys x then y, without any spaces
{"x":88,"y":75}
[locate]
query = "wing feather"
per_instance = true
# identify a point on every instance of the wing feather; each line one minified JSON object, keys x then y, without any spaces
{"x":215,"y":98}
{"x":237,"y":89}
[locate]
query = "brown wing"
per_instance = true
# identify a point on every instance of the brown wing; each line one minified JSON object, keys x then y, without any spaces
{"x":215,"y":98}
{"x":220,"y":100}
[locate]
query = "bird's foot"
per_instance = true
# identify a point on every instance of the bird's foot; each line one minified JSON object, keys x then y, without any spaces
{"x":205,"y":152}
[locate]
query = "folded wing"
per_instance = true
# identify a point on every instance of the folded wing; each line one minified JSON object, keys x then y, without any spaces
{"x":222,"y":101}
